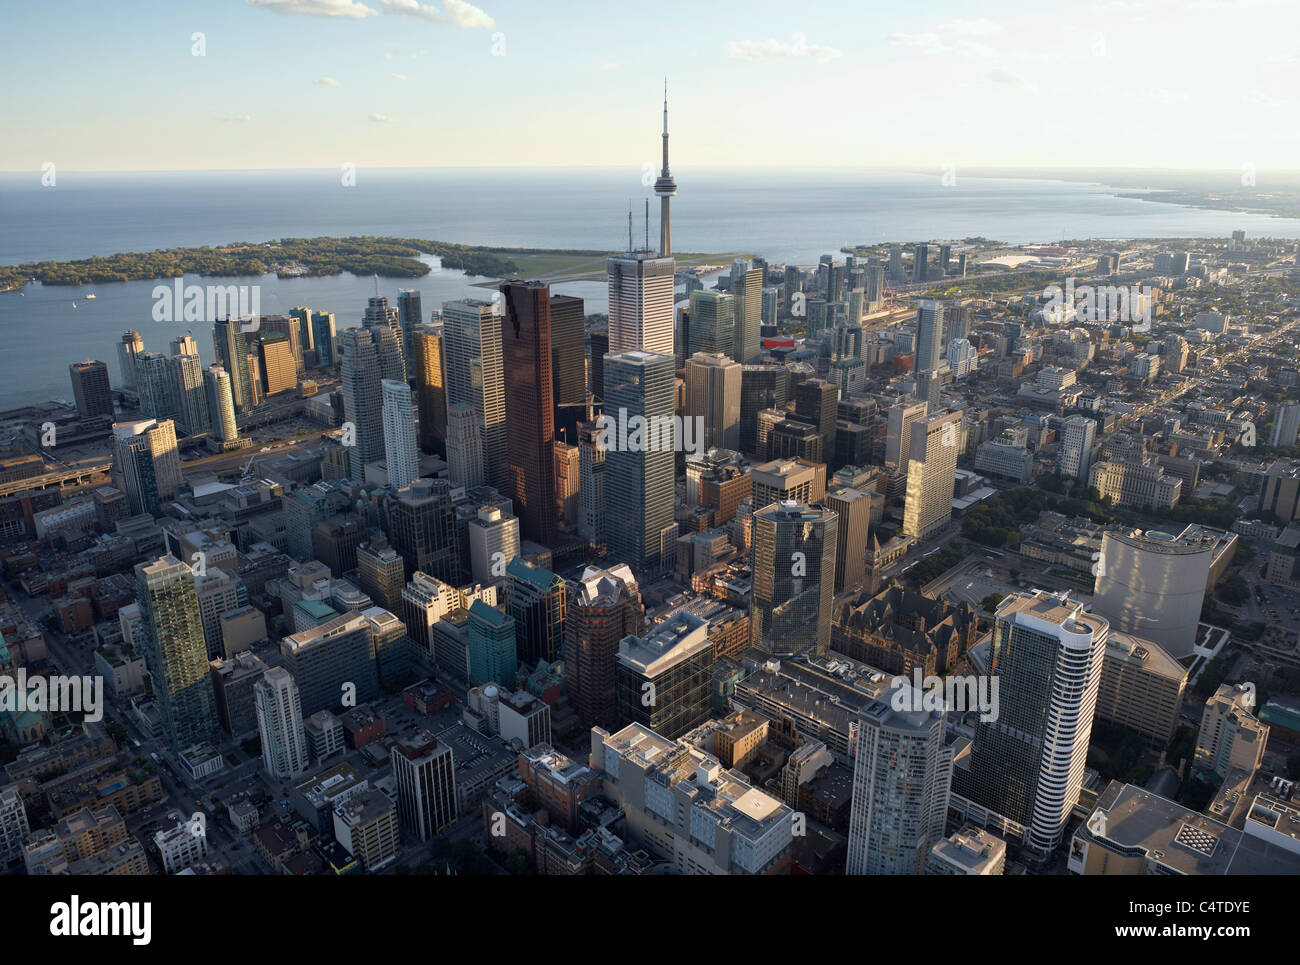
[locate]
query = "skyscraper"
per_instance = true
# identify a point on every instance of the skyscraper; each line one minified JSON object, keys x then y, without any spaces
{"x":794,"y":577}
{"x":231,"y":350}
{"x":1027,"y":764}
{"x":568,"y":365}
{"x":493,"y":654}
{"x":902,"y":778}
{"x":761,"y":387}
{"x":816,"y":402}
{"x":472,"y":364}
{"x":221,"y":403}
{"x":401,"y":455}
{"x":713,"y":323}
{"x":929,"y":341}
{"x":333,"y":661}
{"x":146,"y":463}
{"x":665,"y":188}
{"x":175,"y":653}
{"x":663,"y":680}
{"x":322,"y":331}
{"x":639,"y":472}
{"x":747,"y":292}
{"x":536,"y":600}
{"x":425,"y":772}
{"x":591,"y":484}
{"x":155,"y":386}
{"x":530,"y":406}
{"x":363,"y":407}
{"x":277,"y":363}
{"x":465,"y":445}
{"x":130,"y":345}
{"x":931,"y":473}
{"x":604,"y":606}
{"x":279,"y":722}
{"x":420,"y":521}
{"x":430,"y":386}
{"x":713,"y":399}
{"x":493,"y":543}
{"x":641,"y":303}
{"x":91,"y":390}
{"x":192,"y":413}
{"x":409,"y":315}
{"x":1078,"y":434}
{"x":853,"y":507}
{"x":385,"y":321}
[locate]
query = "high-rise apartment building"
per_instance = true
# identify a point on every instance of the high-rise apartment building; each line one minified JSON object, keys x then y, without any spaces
{"x":902,"y":779}
{"x":401,"y":454}
{"x":146,"y":463}
{"x":172,"y":638}
{"x":363,"y":408}
{"x":128,"y":347}
{"x":221,"y":403}
{"x":231,"y":351}
{"x":279,"y":723}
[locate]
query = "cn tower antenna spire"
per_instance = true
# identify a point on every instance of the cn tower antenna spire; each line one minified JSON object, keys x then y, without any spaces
{"x":665,"y":188}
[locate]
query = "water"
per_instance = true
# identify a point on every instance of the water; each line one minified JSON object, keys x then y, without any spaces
{"x":784,"y":216}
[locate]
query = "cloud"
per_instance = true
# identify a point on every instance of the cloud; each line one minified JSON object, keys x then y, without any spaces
{"x":953,"y":37}
{"x":381,"y":118}
{"x":458,"y":13}
{"x":972,"y":28}
{"x":238,"y":119}
{"x":317,"y":8}
{"x":764,"y":50}
{"x":398,"y":76}
{"x":328,"y":82}
{"x":1000,"y":76}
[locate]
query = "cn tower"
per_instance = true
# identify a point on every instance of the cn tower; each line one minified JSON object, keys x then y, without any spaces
{"x":665,"y":188}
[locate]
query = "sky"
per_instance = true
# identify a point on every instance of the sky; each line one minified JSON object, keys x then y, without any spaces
{"x":144,"y":85}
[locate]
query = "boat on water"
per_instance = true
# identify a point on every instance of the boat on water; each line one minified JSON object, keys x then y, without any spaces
{"x":91,"y":295}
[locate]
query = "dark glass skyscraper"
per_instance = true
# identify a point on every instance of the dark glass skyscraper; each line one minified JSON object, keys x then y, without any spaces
{"x":91,"y":390}
{"x":568,"y":371}
{"x":530,"y":407}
